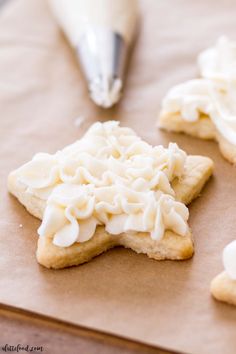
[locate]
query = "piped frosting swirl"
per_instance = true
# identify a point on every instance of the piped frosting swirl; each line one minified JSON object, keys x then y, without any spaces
{"x":109,"y":177}
{"x":214,"y":94}
{"x":229,"y":259}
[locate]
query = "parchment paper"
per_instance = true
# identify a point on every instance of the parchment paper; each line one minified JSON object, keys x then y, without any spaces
{"x":41,"y":94}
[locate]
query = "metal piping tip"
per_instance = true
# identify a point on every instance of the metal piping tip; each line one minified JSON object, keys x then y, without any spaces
{"x":105,"y":93}
{"x":102,"y":53}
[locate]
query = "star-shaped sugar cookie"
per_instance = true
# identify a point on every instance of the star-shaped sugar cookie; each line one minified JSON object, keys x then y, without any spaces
{"x":206,"y":107}
{"x":111,"y":188}
{"x":223,"y":286}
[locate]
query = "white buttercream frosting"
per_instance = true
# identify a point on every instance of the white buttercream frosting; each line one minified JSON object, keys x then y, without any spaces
{"x":104,"y":93}
{"x":214,"y":94}
{"x":229,"y":259}
{"x":218,"y":63}
{"x":109,"y":177}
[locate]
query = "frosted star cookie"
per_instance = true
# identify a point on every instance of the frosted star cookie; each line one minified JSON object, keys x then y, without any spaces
{"x":206,"y":107}
{"x":110,"y":188}
{"x":223,"y":286}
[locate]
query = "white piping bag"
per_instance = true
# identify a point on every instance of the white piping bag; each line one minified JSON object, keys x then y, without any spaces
{"x":101,"y":31}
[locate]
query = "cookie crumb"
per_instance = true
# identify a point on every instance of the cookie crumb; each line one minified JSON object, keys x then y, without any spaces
{"x":79,"y":121}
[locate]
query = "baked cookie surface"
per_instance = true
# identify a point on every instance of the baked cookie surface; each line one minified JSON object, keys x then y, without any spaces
{"x":205,"y":107}
{"x":107,"y":189}
{"x":223,"y":288}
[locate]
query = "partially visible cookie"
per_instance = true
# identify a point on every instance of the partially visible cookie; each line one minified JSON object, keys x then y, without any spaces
{"x":110,"y":188}
{"x":205,"y":107}
{"x":223,"y":286}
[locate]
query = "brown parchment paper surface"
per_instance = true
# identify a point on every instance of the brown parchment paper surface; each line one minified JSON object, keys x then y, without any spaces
{"x":41,"y":94}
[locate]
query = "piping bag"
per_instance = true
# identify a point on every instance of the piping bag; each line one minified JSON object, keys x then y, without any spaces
{"x":101,"y":32}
